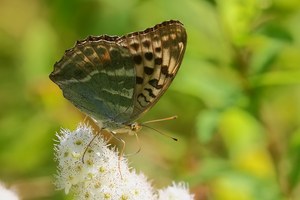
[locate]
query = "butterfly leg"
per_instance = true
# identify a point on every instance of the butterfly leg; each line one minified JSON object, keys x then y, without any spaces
{"x":89,"y":145}
{"x":109,"y":139}
{"x":85,"y":119}
{"x":139,"y":144}
{"x":113,"y":135}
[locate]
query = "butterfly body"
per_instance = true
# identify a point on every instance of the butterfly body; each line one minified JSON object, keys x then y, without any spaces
{"x":115,"y":79}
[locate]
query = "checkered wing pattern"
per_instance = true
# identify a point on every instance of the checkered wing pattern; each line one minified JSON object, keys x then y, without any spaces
{"x":157,"y":54}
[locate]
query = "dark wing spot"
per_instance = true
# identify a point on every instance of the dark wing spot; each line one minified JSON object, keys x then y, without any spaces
{"x":146,"y":43}
{"x":149,"y":56}
{"x":115,"y":53}
{"x":150,"y":93}
{"x":164,"y":70}
{"x":148,"y":70}
{"x":139,"y":80}
{"x":100,"y":50}
{"x":158,"y":49}
{"x":154,"y":83}
{"x":137,"y":59}
{"x":158,"y":61}
{"x":135,"y":46}
{"x":145,"y":99}
{"x":170,"y":75}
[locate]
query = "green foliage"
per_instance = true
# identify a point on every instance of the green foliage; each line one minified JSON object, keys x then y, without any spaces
{"x":237,"y":94}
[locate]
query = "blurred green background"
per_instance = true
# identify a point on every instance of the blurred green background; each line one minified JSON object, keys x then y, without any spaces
{"x":237,"y":94}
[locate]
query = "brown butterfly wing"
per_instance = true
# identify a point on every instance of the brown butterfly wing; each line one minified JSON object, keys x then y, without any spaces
{"x":117,"y":79}
{"x":157,"y":53}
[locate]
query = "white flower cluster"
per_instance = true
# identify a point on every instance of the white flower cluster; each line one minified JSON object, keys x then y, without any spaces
{"x":103,"y":175}
{"x":7,"y":194}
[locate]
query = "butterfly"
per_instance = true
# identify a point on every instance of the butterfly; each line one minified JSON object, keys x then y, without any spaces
{"x":115,"y":80}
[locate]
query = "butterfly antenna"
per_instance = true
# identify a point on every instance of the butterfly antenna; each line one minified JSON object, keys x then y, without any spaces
{"x":160,"y":120}
{"x":173,"y":138}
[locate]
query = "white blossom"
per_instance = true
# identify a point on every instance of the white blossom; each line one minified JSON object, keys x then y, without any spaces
{"x":7,"y":194}
{"x":103,"y":174}
{"x":175,"y":192}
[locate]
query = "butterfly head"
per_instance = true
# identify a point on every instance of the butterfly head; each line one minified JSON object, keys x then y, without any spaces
{"x":135,"y":127}
{"x":130,"y":129}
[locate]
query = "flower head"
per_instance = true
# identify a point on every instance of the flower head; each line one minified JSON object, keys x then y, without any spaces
{"x":175,"y":192}
{"x":103,"y":174}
